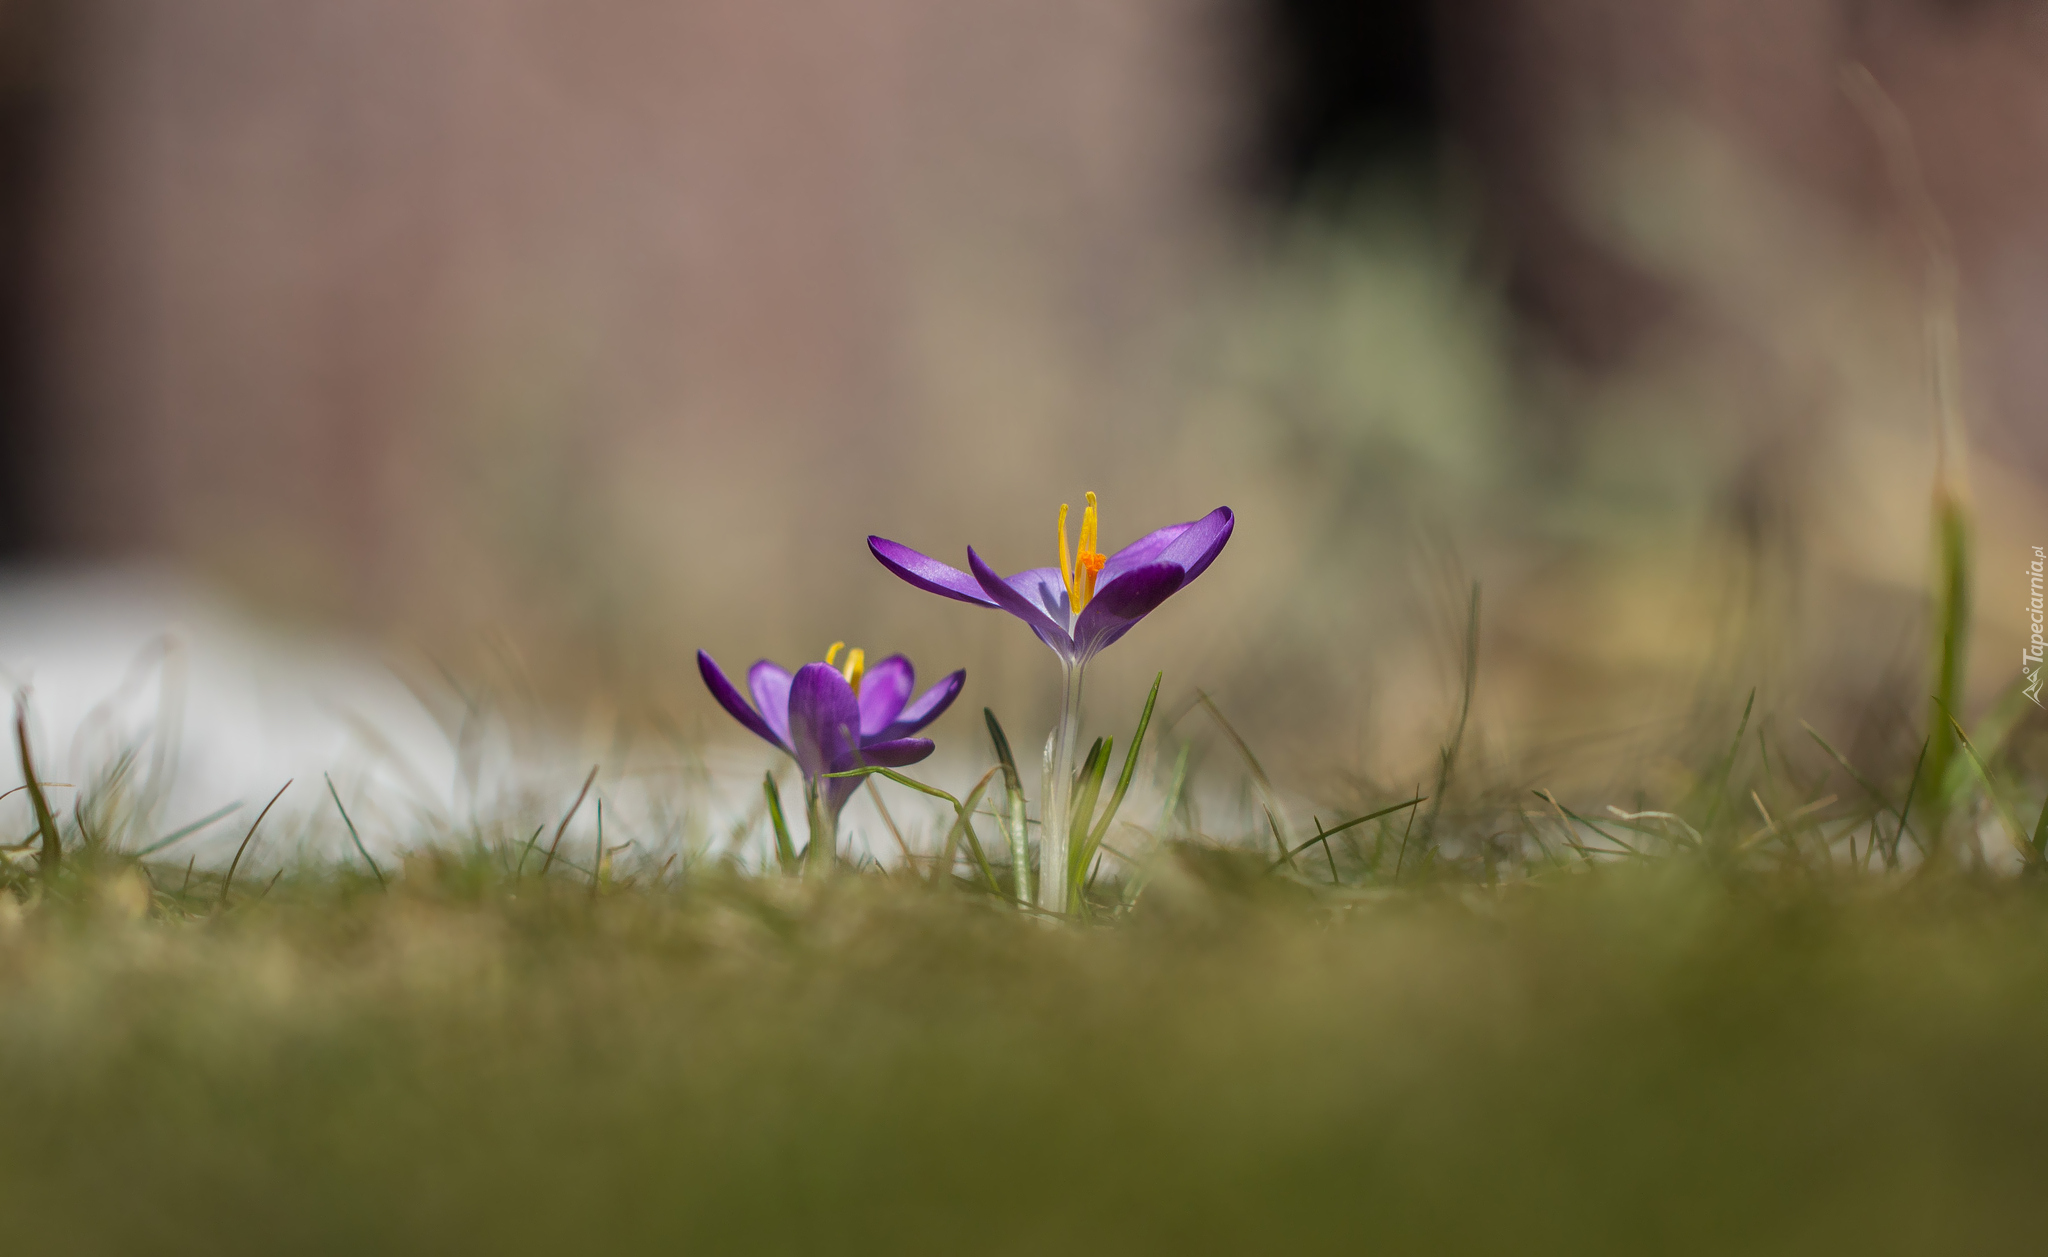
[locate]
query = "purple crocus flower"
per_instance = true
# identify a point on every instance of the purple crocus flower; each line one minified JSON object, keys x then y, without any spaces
{"x":830,"y":719}
{"x":1084,"y":604}
{"x":1078,"y":608}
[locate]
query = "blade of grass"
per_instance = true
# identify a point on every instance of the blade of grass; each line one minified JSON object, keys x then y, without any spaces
{"x":1726,"y":769}
{"x":52,"y":855}
{"x":1401,"y":856}
{"x":1092,"y":839}
{"x":961,"y":810}
{"x":1447,"y":760}
{"x":1950,"y":507}
{"x":562,"y":828}
{"x":1136,"y":886}
{"x":1906,"y":810}
{"x":1632,"y":822}
{"x":1178,"y":784}
{"x":909,"y":861}
{"x":1082,"y":819}
{"x":2020,"y":838}
{"x":178,"y":835}
{"x":1094,"y":767}
{"x":229,"y":881}
{"x":1015,"y":825}
{"x":1994,"y":727}
{"x":785,"y":846}
{"x":1283,"y":835}
{"x":358,"y":838}
{"x":1551,"y":799}
{"x":1859,"y":778}
{"x":963,"y":826}
{"x":1324,"y":835}
{"x":60,"y":785}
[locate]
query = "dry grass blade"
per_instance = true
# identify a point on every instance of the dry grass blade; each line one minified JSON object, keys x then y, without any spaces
{"x":563,"y":828}
{"x":1447,"y":761}
{"x":227,"y":883}
{"x":52,"y":856}
{"x":1283,"y":833}
{"x":909,"y":860}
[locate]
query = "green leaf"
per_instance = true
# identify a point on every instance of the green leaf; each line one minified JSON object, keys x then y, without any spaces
{"x":963,"y":826}
{"x":961,"y":811}
{"x":1088,"y":786}
{"x":1012,"y":780}
{"x":1014,"y":824}
{"x":785,"y":846}
{"x":1089,"y":841}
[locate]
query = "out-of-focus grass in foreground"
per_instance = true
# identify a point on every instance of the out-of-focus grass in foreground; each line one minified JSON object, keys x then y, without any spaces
{"x":1629,"y":1059}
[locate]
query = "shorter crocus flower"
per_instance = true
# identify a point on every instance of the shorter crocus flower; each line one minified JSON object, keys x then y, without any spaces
{"x":831,"y":718}
{"x":1079,"y":608}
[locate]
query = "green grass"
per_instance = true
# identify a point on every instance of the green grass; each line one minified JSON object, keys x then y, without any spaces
{"x":1622,"y":1059}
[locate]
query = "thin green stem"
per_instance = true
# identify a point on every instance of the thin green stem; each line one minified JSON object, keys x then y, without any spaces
{"x":823,"y":854}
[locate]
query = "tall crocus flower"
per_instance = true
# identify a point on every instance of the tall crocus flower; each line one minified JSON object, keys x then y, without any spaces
{"x":1078,"y":608}
{"x":831,"y":718}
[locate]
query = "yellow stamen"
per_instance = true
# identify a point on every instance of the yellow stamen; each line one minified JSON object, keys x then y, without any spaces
{"x":833,"y":650}
{"x":1066,"y":567}
{"x":1081,"y":571}
{"x":856,"y":667}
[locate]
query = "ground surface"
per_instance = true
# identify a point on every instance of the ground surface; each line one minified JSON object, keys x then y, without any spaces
{"x":1603,"y":1061}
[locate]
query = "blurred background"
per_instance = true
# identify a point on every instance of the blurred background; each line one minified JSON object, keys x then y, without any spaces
{"x":521,"y":348}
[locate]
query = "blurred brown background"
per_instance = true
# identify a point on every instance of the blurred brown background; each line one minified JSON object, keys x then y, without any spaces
{"x":551,"y":341}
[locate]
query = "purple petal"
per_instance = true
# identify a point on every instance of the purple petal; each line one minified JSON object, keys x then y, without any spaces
{"x":1153,"y":546}
{"x":1021,"y":606}
{"x":927,"y":573}
{"x":1140,"y":552}
{"x":928,"y":707}
{"x":1046,"y":589}
{"x":770,"y":684}
{"x":883,"y":691}
{"x":824,"y":719}
{"x":1204,"y":539}
{"x":894,"y":754}
{"x":1119,"y":605}
{"x":728,"y":697}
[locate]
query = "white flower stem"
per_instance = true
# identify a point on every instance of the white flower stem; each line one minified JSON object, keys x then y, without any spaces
{"x":1055,"y":798}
